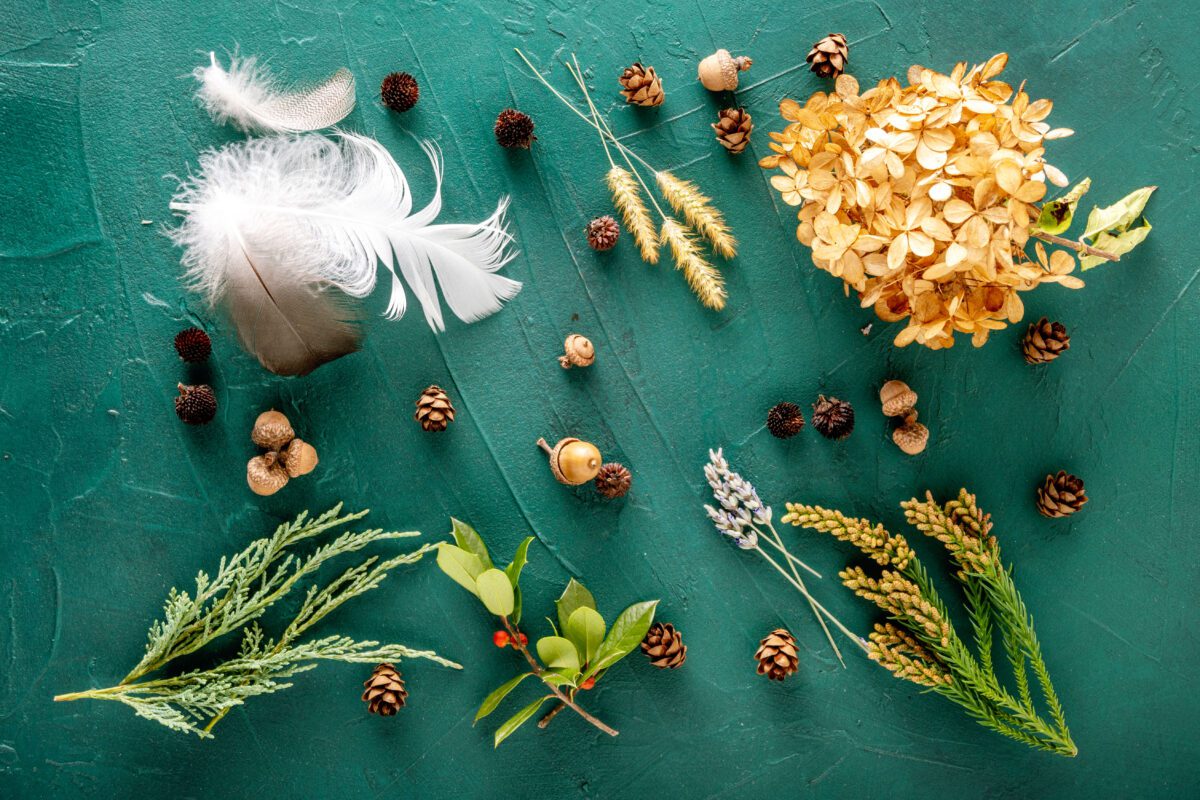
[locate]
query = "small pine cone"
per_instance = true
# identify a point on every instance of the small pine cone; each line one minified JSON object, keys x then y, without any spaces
{"x":1060,"y":495}
{"x":196,"y":405}
{"x":602,"y":233}
{"x":514,"y":129}
{"x":828,"y":57}
{"x":193,"y":345}
{"x":664,"y":646}
{"x":833,"y":418}
{"x":434,"y":410}
{"x":733,"y":127}
{"x":385,"y":693}
{"x":1045,"y":341}
{"x":641,"y":85}
{"x":776,"y":654}
{"x":399,"y":91}
{"x":785,"y":420}
{"x":613,"y":480}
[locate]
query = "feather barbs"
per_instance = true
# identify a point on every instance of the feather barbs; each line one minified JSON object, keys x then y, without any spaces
{"x":248,"y":97}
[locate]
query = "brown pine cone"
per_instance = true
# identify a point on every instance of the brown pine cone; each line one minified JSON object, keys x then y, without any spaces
{"x":776,"y":654}
{"x":1045,"y":341}
{"x":828,"y":57}
{"x":1060,"y":495}
{"x":833,"y":418}
{"x":613,"y":480}
{"x":196,"y":405}
{"x":785,"y":420}
{"x":434,"y":410}
{"x":602,"y":233}
{"x":385,"y":693}
{"x":514,"y":129}
{"x":399,"y":91}
{"x":641,"y":85}
{"x":664,"y":646}
{"x":733,"y":127}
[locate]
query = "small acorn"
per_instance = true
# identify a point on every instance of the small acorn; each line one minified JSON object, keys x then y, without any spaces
{"x":265,"y":475}
{"x":573,"y":461}
{"x":897,"y":399}
{"x":719,"y":72}
{"x":196,"y":405}
{"x":578,"y":352}
{"x":272,"y":430}
{"x":912,"y":436}
{"x":300,"y":458}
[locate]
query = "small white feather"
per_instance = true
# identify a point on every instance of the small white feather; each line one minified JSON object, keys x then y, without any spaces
{"x":248,"y":97}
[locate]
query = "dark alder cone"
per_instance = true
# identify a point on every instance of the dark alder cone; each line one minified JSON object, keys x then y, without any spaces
{"x":434,"y":410}
{"x":385,"y":693}
{"x":776,"y":654}
{"x":828,"y":57}
{"x":833,"y":418}
{"x":613,"y":480}
{"x":514,"y":129}
{"x":1060,"y":495}
{"x":602,"y":233}
{"x":196,"y":405}
{"x":193,"y":345}
{"x":785,"y":420}
{"x":733,"y":127}
{"x":399,"y":91}
{"x":1045,"y":341}
{"x":664,"y":646}
{"x":641,"y":86}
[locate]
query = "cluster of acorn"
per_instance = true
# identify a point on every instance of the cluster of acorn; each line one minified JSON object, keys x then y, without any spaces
{"x":899,"y":403}
{"x":196,"y":403}
{"x":833,"y":418}
{"x":286,"y":456}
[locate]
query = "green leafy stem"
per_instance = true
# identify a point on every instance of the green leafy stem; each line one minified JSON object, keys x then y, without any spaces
{"x":1111,"y":232}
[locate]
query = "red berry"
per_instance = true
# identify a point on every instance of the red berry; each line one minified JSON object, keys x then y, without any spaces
{"x":500,"y":639}
{"x":524,"y":639}
{"x":589,"y":683}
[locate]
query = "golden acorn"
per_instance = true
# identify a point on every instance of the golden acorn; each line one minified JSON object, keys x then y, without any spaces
{"x":265,"y":475}
{"x":578,"y":352}
{"x":573,"y":461}
{"x":912,"y":436}
{"x":272,"y":430}
{"x":299,"y":458}
{"x":897,"y":399}
{"x":719,"y":72}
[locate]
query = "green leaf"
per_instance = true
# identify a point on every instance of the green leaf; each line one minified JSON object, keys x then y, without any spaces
{"x":1120,"y":215}
{"x":469,"y":540}
{"x":462,"y":567}
{"x":558,"y":653}
{"x":496,"y":592}
{"x":1057,"y":214}
{"x":557,"y":679}
{"x":1118,"y":245}
{"x":574,"y":596}
{"x":585,"y":629}
{"x":517,"y":720}
{"x":493,"y":700}
{"x":513,"y":571}
{"x":626,"y":633}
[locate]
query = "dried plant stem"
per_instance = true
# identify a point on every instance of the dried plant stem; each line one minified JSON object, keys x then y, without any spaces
{"x":775,"y":540}
{"x":824,"y":611}
{"x":1078,"y":247}
{"x":704,"y":279}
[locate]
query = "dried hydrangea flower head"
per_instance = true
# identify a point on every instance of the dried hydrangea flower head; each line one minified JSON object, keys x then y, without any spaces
{"x":921,"y":197}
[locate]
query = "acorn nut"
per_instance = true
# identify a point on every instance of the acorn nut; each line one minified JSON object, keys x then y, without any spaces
{"x":897,"y":398}
{"x":573,"y":461}
{"x":272,"y":431}
{"x":579,"y":352}
{"x":300,"y":458}
{"x":912,"y":436}
{"x":265,"y":474}
{"x":719,"y":72}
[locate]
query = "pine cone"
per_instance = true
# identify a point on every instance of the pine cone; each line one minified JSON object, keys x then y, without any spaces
{"x":399,"y":91}
{"x":434,"y":410}
{"x":385,"y":693}
{"x":776,"y":654}
{"x":1045,"y":341}
{"x":514,"y":129}
{"x":602,"y":233}
{"x":733,"y":127}
{"x":785,"y":420}
{"x":1060,"y":495}
{"x":828,"y":57}
{"x":833,"y":418}
{"x":642,"y":86}
{"x":196,"y":405}
{"x":664,"y":646}
{"x":613,"y":480}
{"x":193,"y":345}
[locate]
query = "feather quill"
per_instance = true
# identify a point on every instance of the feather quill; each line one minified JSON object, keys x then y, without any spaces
{"x":248,"y":97}
{"x":283,"y":230}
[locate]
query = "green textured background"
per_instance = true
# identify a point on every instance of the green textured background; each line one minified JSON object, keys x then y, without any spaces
{"x":108,"y":501}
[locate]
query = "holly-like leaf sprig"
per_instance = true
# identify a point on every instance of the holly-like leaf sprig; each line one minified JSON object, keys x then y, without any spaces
{"x":582,"y":648}
{"x":1111,"y":231}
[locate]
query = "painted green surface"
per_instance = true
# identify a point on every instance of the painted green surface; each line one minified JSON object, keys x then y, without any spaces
{"x":108,"y":501}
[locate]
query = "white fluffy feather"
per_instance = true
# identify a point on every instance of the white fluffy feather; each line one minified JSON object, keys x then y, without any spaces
{"x":248,"y":97}
{"x":319,"y":212}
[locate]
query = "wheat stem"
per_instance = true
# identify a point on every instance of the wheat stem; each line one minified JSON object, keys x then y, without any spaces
{"x":704,"y":279}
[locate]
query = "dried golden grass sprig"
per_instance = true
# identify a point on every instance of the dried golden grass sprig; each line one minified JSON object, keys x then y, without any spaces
{"x":702,"y":276}
{"x":628,"y":200}
{"x":697,"y":208}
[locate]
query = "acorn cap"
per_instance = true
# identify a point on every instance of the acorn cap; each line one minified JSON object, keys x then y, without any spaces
{"x":272,"y":430}
{"x":578,"y":351}
{"x":300,"y":458}
{"x":265,"y":475}
{"x":896,"y":398}
{"x":911,"y":437}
